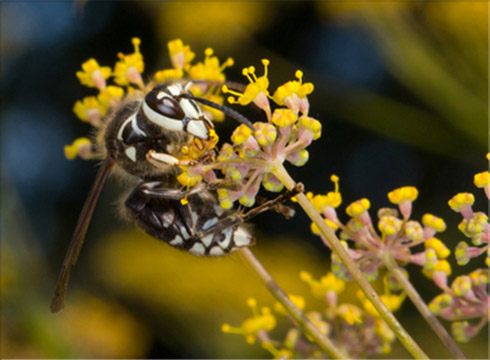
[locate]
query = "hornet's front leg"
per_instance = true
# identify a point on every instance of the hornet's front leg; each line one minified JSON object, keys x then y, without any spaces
{"x":163,"y":160}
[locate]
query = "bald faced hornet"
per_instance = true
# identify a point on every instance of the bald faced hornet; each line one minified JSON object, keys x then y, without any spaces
{"x":144,"y":138}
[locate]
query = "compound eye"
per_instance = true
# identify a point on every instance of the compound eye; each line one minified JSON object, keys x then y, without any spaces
{"x":163,"y":104}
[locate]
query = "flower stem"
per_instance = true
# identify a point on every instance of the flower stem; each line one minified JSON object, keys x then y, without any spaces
{"x":421,"y":306}
{"x":305,"y":323}
{"x":407,"y":341}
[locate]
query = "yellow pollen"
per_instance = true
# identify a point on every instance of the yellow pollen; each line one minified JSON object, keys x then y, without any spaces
{"x":225,"y":328}
{"x":299,"y":75}
{"x":266,"y":63}
{"x":246,"y":72}
{"x":335,"y":179}
{"x":136,"y":43}
{"x":225,"y":89}
{"x":230,"y":62}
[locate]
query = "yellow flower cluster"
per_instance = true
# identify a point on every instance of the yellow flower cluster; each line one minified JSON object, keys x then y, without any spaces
{"x":392,"y":301}
{"x":127,"y":72}
{"x":249,"y":328}
{"x":326,"y":284}
{"x":293,"y":93}
{"x":129,"y":68}
{"x":474,"y":224}
{"x":81,"y":147}
{"x":256,"y":92}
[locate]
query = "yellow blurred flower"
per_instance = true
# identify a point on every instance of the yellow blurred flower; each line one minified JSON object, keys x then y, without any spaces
{"x":129,"y":68}
{"x":93,"y":75}
{"x":251,"y":326}
{"x":102,"y":330}
{"x":297,"y":300}
{"x":227,"y":22}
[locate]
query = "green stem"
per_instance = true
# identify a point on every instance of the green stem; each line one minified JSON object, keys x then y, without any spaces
{"x":421,"y":306}
{"x":305,"y":323}
{"x":407,"y":341}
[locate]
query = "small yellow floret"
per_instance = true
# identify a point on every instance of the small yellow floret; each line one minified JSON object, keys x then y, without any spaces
{"x":90,"y":107}
{"x":434,"y":222}
{"x":441,"y":250}
{"x":430,"y":260}
{"x":482,"y":179}
{"x":110,"y":95}
{"x":180,"y":54}
{"x":414,"y":230}
{"x":265,"y":133}
{"x":461,"y":200}
{"x":477,"y":224}
{"x":168,"y":74}
{"x":440,"y":302}
{"x":224,"y":198}
{"x":461,"y":285}
{"x":350,"y":313}
{"x":298,"y":158}
{"x":479,"y":277}
{"x":255,"y":92}
{"x":247,"y":200}
{"x":333,"y":198}
{"x":81,"y":146}
{"x":389,"y":225}
{"x":444,"y":266}
{"x":210,"y":69}
{"x":283,"y":117}
{"x":327,"y":283}
{"x":404,"y":193}
{"x":271,"y":183}
{"x":93,"y":75}
{"x":129,"y":68}
{"x":392,"y":301}
{"x":251,"y":326}
{"x":358,"y":207}
{"x":241,"y":134}
{"x":292,"y":88}
{"x":310,"y":123}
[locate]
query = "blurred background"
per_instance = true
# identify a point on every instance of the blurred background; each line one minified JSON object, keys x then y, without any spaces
{"x":401,"y":89}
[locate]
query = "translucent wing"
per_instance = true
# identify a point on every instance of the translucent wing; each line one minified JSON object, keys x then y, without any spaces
{"x":79,"y":235}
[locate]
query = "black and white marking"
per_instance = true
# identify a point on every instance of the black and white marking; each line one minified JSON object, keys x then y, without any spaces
{"x":200,"y":227}
{"x":163,"y":107}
